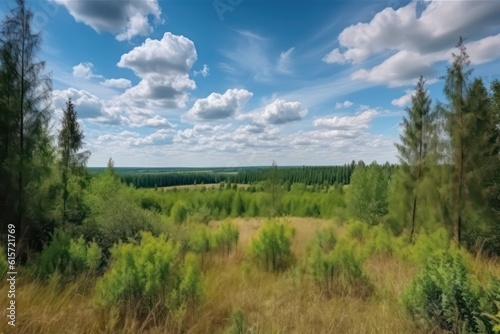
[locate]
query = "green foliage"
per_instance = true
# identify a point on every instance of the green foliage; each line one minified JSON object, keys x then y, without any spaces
{"x":366,"y":197}
{"x":416,"y":140}
{"x":271,"y":246}
{"x":443,"y":295}
{"x":72,"y":162}
{"x":142,"y":274}
{"x":191,"y":288}
{"x":337,"y":269}
{"x":179,"y":212}
{"x":358,"y":231}
{"x":226,"y":236}
{"x":238,"y":326}
{"x":68,"y":256}
{"x":84,"y":255}
{"x":427,"y":244}
{"x":380,"y":240}
{"x":115,"y":212}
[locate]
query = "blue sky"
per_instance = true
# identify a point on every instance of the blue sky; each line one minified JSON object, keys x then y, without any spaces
{"x":242,"y":82}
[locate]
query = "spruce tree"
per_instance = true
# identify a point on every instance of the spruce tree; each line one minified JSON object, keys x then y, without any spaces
{"x":415,"y":142}
{"x":70,"y":142}
{"x":456,"y":90}
{"x":25,"y":103}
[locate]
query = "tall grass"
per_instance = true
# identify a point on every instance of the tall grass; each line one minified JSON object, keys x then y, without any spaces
{"x":237,"y":296}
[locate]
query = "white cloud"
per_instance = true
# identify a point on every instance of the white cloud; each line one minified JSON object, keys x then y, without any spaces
{"x":280,"y":112}
{"x":117,"y":83}
{"x":421,"y":41}
{"x":345,"y":104}
{"x":89,"y":106}
{"x":219,"y":106}
{"x":359,"y":121}
{"x":204,"y":72}
{"x":171,"y":55}
{"x":484,"y":50}
{"x":163,"y":66}
{"x":125,"y":18}
{"x":436,"y":29}
{"x":403,"y":100}
{"x":86,"y":104}
{"x":335,"y":57}
{"x":84,"y":70}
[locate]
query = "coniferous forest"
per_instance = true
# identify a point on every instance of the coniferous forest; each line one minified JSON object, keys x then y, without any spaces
{"x":411,"y":247}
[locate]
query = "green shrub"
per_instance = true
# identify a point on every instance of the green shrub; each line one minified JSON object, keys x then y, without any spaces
{"x":84,"y":255}
{"x":68,"y":256}
{"x":380,"y":240}
{"x":179,"y":212}
{"x":141,"y":274}
{"x":191,"y":288}
{"x":226,"y":236}
{"x":426,"y":244}
{"x":338,"y":270}
{"x":358,"y":231}
{"x":239,"y":326}
{"x":442,"y":295}
{"x":200,"y":241}
{"x":271,"y":246}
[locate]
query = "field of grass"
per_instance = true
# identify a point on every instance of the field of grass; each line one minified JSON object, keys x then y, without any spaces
{"x":199,"y":186}
{"x":234,"y":288}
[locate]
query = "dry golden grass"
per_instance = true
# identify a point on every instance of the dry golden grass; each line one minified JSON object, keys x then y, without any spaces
{"x":287,"y":302}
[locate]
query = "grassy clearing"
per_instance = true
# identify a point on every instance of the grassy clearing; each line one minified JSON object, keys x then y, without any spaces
{"x":287,"y":302}
{"x":199,"y":186}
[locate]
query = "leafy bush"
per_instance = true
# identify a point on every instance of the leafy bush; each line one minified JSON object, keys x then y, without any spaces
{"x":442,"y":295}
{"x":357,"y":230}
{"x":337,"y":269}
{"x":201,"y":241}
{"x":141,"y":274}
{"x":65,"y":255}
{"x":191,"y":288}
{"x":426,"y":244}
{"x":179,"y":212}
{"x":226,"y":236}
{"x":380,"y":240}
{"x":271,"y":246}
{"x":115,"y":212}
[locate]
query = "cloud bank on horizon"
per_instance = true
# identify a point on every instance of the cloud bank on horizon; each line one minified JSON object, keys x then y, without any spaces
{"x":169,"y":84}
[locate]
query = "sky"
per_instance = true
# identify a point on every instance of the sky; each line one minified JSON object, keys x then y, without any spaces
{"x":244,"y":82}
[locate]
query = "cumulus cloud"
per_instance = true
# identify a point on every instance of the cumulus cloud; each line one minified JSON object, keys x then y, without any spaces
{"x":125,"y":18}
{"x":219,"y":106}
{"x":280,"y":112}
{"x":421,"y":40}
{"x":345,"y":104}
{"x":86,"y":104}
{"x":117,"y":83}
{"x":89,"y":106}
{"x":84,"y":70}
{"x":436,"y":29}
{"x":163,"y":66}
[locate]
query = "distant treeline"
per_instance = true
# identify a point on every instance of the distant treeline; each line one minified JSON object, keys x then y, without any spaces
{"x":308,"y":175}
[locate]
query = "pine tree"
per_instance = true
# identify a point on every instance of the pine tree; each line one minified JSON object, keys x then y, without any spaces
{"x":25,"y":105}
{"x":415,"y":142}
{"x":456,"y":89}
{"x":70,"y":142}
